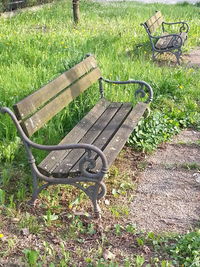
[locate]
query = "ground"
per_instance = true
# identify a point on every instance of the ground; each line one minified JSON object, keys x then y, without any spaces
{"x":193,"y":58}
{"x":147,"y":195}
{"x":167,"y":198}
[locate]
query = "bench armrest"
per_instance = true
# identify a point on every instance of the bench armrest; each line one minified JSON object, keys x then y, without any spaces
{"x":184,"y":26}
{"x":86,"y":159}
{"x":144,"y":88}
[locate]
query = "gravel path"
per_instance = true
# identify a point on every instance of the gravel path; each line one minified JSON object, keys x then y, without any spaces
{"x":168,"y":194}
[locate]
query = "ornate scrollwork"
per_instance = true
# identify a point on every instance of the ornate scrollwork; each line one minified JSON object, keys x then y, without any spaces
{"x":140,"y":92}
{"x":176,"y":41}
{"x":87,"y":163}
{"x":90,"y":191}
{"x":183,"y":28}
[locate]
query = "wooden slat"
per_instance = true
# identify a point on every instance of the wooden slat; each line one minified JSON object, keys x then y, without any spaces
{"x":164,"y":43}
{"x":153,"y":28}
{"x":31,"y":103}
{"x":154,"y":22}
{"x":158,"y":15}
{"x":107,"y":134}
{"x":89,"y":138}
{"x":74,"y":136}
{"x":119,"y":139}
{"x":151,"y":21}
{"x":35,"y":122}
{"x":167,"y":41}
{"x":160,"y":20}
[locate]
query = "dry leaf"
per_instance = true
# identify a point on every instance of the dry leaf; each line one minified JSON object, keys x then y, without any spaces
{"x":107,"y":255}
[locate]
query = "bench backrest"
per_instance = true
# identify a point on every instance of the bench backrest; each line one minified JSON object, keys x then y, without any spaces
{"x":38,"y":108}
{"x":154,"y":22}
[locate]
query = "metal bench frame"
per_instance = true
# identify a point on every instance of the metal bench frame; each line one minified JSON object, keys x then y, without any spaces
{"x":96,"y":191}
{"x":176,"y":40}
{"x":13,"y":5}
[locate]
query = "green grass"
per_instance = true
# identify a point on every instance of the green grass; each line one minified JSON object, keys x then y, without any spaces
{"x":37,"y":47}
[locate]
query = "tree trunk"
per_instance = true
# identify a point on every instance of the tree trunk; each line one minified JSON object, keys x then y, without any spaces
{"x":76,"y":12}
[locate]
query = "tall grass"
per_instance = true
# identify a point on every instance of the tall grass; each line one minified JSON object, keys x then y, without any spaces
{"x":37,"y":46}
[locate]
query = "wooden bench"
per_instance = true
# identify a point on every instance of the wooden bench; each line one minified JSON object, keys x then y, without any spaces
{"x":83,"y":157}
{"x":162,"y":41}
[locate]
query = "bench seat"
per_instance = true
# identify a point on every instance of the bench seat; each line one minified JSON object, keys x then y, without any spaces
{"x":167,"y":42}
{"x":107,"y":126}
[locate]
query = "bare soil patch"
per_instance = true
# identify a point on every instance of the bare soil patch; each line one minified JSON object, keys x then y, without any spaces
{"x":190,"y":60}
{"x":193,"y":58}
{"x":168,"y":193}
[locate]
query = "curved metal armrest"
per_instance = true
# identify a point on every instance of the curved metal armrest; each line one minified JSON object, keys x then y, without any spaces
{"x":146,"y":28}
{"x":184,"y":26}
{"x":30,"y":143}
{"x":140,"y":91}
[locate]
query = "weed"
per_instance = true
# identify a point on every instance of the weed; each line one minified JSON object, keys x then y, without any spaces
{"x":49,"y":218}
{"x":118,"y":229}
{"x":191,"y":166}
{"x":30,"y":222}
{"x":2,"y":197}
{"x":32,"y":257}
{"x":139,"y":260}
{"x":186,"y":250}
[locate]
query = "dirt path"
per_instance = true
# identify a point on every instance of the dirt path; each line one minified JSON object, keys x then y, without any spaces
{"x":193,"y":58}
{"x":168,"y":194}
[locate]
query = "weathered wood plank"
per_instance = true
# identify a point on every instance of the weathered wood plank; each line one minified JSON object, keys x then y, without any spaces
{"x":119,"y":139}
{"x":154,"y":22}
{"x":35,"y":122}
{"x":74,"y":136}
{"x":31,"y":103}
{"x":89,"y":138}
{"x":107,"y":134}
{"x":158,"y":15}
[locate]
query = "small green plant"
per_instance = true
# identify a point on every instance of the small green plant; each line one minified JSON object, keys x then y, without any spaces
{"x":153,"y":131}
{"x":49,"y":217}
{"x":131,"y":228}
{"x":191,"y":166}
{"x":66,"y":254}
{"x":140,"y":241}
{"x":139,"y":260}
{"x":186,"y":251}
{"x":119,"y":211}
{"x":30,"y":222}
{"x":2,"y":196}
{"x":118,"y":229}
{"x":31,"y":256}
{"x":8,"y":150}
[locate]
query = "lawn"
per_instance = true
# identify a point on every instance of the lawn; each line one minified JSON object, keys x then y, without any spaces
{"x":37,"y":46}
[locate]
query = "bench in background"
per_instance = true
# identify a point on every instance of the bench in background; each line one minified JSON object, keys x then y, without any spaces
{"x":84,"y":155}
{"x":164,"y":41}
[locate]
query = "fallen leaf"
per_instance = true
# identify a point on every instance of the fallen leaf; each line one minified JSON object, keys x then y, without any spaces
{"x":107,"y":202}
{"x":107,"y":255}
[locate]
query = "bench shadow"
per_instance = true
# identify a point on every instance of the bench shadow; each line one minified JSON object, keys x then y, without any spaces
{"x":167,"y":59}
